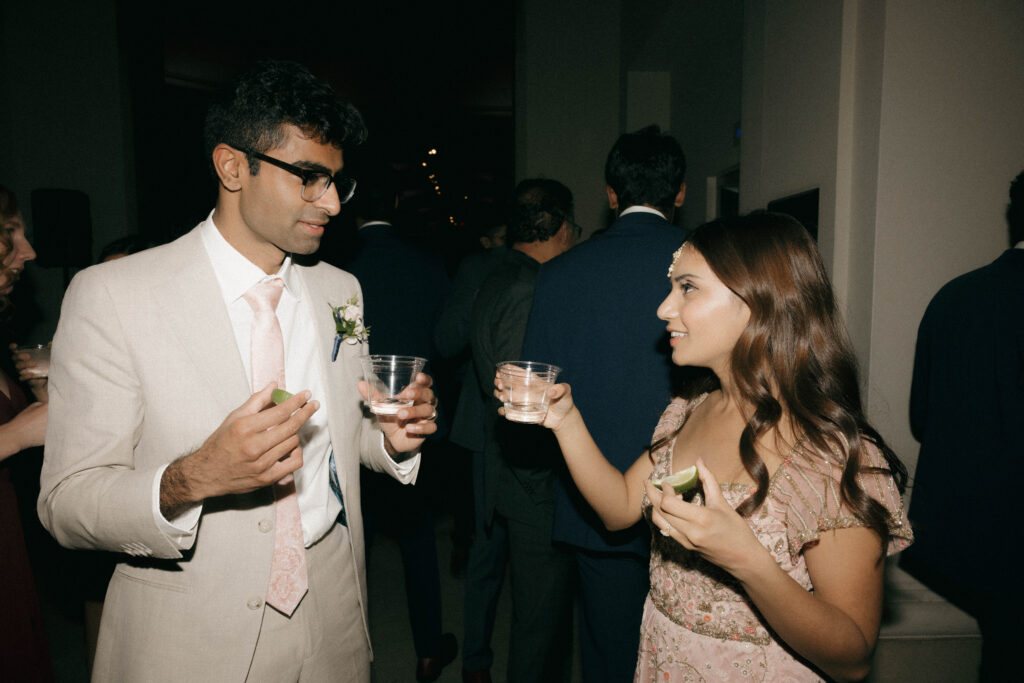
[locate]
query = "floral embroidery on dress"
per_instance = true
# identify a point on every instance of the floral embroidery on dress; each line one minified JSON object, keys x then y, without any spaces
{"x":698,"y":623}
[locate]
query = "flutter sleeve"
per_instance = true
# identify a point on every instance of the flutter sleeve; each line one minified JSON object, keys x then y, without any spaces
{"x":806,"y":498}
{"x":672,"y":418}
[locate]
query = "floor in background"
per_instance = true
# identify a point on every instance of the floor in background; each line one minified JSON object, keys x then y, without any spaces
{"x":395,"y":658}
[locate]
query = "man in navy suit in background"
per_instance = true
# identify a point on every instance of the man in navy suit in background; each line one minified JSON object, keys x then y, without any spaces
{"x":594,"y":316}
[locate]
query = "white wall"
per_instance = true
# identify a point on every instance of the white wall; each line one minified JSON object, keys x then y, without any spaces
{"x":791,"y":105}
{"x":950,"y":142}
{"x":907,"y":115}
{"x":699,"y":43}
{"x":567,"y":97}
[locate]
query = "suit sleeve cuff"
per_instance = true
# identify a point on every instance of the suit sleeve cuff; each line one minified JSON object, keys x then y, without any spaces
{"x":406,"y":470}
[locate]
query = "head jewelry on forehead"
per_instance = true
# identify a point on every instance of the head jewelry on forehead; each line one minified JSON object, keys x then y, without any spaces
{"x":675,"y":257}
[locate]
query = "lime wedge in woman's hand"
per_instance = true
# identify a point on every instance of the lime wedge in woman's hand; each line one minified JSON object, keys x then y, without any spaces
{"x":682,"y":481}
{"x":279,"y":396}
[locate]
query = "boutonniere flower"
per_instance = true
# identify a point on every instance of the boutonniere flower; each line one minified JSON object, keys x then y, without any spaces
{"x":349,"y":325}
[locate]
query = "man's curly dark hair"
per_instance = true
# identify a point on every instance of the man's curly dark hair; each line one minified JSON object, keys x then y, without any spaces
{"x":252,"y":110}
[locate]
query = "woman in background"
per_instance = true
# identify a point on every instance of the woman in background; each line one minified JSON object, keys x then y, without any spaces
{"x":776,"y":572}
{"x":21,"y":425}
{"x":23,"y":652}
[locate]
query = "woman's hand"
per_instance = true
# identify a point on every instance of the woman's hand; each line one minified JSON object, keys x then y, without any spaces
{"x":24,"y":366}
{"x":560,"y":403}
{"x":715,"y":529}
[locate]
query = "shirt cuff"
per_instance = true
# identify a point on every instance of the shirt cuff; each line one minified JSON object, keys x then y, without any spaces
{"x":406,"y":470}
{"x":182,"y":529}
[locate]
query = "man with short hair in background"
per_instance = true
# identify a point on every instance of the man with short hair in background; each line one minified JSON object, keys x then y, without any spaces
{"x":594,"y":316}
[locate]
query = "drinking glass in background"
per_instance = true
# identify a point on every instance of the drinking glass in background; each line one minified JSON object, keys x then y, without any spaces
{"x":386,"y":378}
{"x":527,"y":383}
{"x":38,"y":354}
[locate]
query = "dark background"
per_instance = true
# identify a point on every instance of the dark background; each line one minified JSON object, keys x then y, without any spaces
{"x":425,"y":76}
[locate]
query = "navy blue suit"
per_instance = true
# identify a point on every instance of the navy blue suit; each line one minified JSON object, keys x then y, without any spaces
{"x":594,"y":315}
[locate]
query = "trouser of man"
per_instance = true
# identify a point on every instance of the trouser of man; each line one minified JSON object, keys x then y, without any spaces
{"x":613,"y":587}
{"x":540,"y":647}
{"x":485,"y":573}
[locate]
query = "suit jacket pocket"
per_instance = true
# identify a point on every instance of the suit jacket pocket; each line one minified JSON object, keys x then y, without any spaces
{"x":163,"y":578}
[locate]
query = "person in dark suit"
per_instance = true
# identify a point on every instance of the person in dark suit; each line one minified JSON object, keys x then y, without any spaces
{"x":451,"y":336}
{"x":592,"y":316}
{"x":518,"y":479}
{"x":966,"y":409}
{"x":403,"y":288}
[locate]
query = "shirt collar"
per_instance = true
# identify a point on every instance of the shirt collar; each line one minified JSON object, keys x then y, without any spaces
{"x":639,"y":208}
{"x":237,"y":274}
{"x":370,"y":224}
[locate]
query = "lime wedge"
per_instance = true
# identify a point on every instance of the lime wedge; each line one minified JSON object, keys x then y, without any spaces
{"x":279,"y":396}
{"x":682,"y":481}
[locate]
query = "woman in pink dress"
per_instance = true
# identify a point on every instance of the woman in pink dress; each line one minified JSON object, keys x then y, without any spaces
{"x":773,"y":572}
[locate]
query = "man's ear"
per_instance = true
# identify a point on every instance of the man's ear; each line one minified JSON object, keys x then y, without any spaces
{"x":228,"y":162}
{"x":681,"y":195}
{"x":567,"y":236}
{"x":613,"y":199}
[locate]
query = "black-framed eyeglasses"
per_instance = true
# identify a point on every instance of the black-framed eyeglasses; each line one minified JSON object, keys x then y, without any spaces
{"x":314,"y":183}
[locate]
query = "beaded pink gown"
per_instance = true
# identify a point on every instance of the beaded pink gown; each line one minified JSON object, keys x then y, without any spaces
{"x":698,"y":624}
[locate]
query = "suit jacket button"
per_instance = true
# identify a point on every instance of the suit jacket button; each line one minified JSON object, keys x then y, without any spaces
{"x":265,"y":525}
{"x":254,"y":603}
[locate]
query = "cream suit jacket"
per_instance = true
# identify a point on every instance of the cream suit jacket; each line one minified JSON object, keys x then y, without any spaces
{"x":145,"y":367}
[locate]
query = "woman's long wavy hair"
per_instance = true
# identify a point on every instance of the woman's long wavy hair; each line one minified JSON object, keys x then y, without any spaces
{"x":793,"y":360}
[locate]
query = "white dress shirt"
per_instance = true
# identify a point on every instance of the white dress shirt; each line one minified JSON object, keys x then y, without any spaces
{"x":640,"y":208}
{"x":318,"y":506}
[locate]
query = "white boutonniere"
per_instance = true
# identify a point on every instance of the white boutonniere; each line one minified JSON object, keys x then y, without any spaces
{"x":349,"y":325}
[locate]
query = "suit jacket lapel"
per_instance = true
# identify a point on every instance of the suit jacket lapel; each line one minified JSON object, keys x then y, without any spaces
{"x":196,"y":315}
{"x":339,"y":375}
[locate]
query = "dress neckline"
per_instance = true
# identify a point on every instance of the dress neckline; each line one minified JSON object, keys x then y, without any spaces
{"x":729,"y":485}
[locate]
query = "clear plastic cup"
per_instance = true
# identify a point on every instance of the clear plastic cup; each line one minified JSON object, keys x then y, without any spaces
{"x":527,"y":383}
{"x":387,"y":377}
{"x":40,"y":355}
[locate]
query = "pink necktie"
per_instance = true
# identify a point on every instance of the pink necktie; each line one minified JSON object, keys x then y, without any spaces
{"x":288,"y":579}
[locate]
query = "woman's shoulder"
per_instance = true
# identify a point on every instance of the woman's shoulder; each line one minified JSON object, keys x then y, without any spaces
{"x":806,"y":492}
{"x":675,"y":415}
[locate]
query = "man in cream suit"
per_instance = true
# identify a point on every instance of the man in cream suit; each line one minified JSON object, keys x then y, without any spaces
{"x":158,"y":445}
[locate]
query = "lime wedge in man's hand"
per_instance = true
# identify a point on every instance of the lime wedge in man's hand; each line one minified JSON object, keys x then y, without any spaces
{"x":682,"y":481}
{"x":279,"y":396}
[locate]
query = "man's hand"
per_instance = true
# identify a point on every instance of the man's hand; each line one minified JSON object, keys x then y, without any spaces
{"x":256,"y":445}
{"x":406,"y":431}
